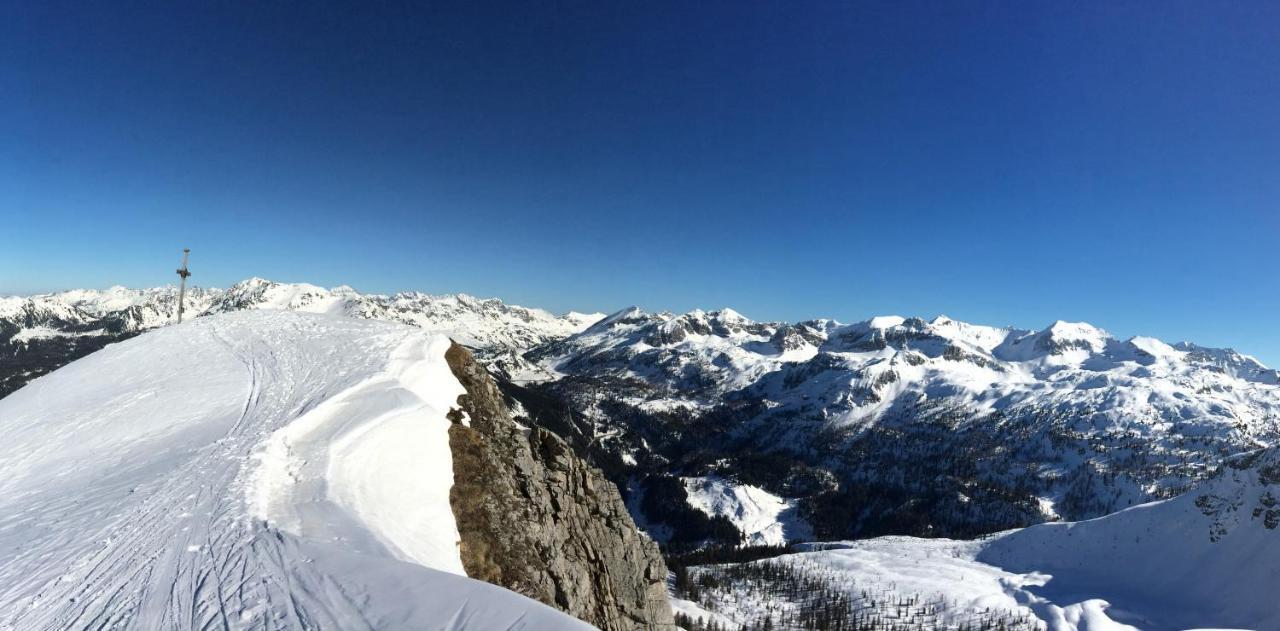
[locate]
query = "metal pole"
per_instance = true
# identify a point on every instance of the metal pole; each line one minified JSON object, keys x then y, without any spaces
{"x":182,"y":285}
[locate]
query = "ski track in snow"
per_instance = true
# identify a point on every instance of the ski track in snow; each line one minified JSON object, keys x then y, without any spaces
{"x":163,"y":484}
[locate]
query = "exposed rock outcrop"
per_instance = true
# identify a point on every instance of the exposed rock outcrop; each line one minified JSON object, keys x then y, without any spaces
{"x":536,"y":519}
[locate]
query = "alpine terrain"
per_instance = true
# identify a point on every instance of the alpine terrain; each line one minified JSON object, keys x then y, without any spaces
{"x":1209,"y":558}
{"x":266,"y":469}
{"x":894,"y":473}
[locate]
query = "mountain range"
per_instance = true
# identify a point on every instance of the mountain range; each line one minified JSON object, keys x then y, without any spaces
{"x":997,"y":427}
{"x":719,"y":431}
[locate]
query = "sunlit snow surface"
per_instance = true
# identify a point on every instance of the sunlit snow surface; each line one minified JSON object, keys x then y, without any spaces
{"x":251,"y":470}
{"x":1209,"y":559}
{"x":762,"y":517}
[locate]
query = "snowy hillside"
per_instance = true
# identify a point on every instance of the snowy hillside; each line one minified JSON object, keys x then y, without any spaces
{"x":247,"y":470}
{"x":1207,"y":559}
{"x":764,"y":519}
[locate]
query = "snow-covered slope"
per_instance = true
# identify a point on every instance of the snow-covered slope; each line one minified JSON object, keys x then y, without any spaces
{"x":764,"y":519}
{"x":1207,"y":559}
{"x":260,"y":469}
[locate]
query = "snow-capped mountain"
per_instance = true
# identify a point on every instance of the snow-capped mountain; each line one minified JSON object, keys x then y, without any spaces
{"x":699,"y":357}
{"x":43,"y":332}
{"x":996,"y":427}
{"x":1209,"y":558}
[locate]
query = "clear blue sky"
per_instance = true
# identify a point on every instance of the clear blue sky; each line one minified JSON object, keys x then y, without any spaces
{"x":1004,"y":163}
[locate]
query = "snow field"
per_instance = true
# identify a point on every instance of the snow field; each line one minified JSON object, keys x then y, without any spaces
{"x":253,"y":470}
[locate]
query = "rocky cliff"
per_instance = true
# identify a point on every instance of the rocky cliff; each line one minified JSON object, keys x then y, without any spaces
{"x":536,"y":519}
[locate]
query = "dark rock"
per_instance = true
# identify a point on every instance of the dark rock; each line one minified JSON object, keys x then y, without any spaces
{"x":536,"y":519}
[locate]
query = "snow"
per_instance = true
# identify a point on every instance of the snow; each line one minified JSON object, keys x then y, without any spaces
{"x":115,"y":298}
{"x":931,"y":568}
{"x":945,"y":571}
{"x":699,"y":613}
{"x":762,"y":517}
{"x":1078,"y":331}
{"x":1205,"y":559}
{"x":483,"y":324}
{"x":1155,"y":348}
{"x":260,"y":469}
{"x":38,"y":333}
{"x":581,"y":321}
{"x":885,"y":322}
{"x":378,"y":451}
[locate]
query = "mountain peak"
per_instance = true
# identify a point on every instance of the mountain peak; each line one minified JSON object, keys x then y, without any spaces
{"x":627,"y":315}
{"x":885,"y":322}
{"x":729,"y":315}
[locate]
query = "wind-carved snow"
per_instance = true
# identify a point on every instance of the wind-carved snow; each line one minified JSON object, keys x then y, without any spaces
{"x":762,"y":517}
{"x":254,"y":470}
{"x":378,"y":452}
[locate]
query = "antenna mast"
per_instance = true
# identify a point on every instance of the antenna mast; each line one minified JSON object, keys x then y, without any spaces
{"x":182,"y":285}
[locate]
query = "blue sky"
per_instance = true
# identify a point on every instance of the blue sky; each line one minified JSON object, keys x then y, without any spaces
{"x":1004,"y":163}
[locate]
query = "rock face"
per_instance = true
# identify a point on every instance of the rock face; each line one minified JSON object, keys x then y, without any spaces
{"x":536,"y":519}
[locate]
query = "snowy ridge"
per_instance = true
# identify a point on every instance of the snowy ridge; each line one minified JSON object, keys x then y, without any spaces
{"x":254,"y":470}
{"x":486,"y":324}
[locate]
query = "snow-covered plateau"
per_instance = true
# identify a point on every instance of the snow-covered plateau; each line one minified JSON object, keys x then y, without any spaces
{"x":248,"y":470}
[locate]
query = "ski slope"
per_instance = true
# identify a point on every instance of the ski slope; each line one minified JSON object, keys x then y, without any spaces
{"x":250,"y":470}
